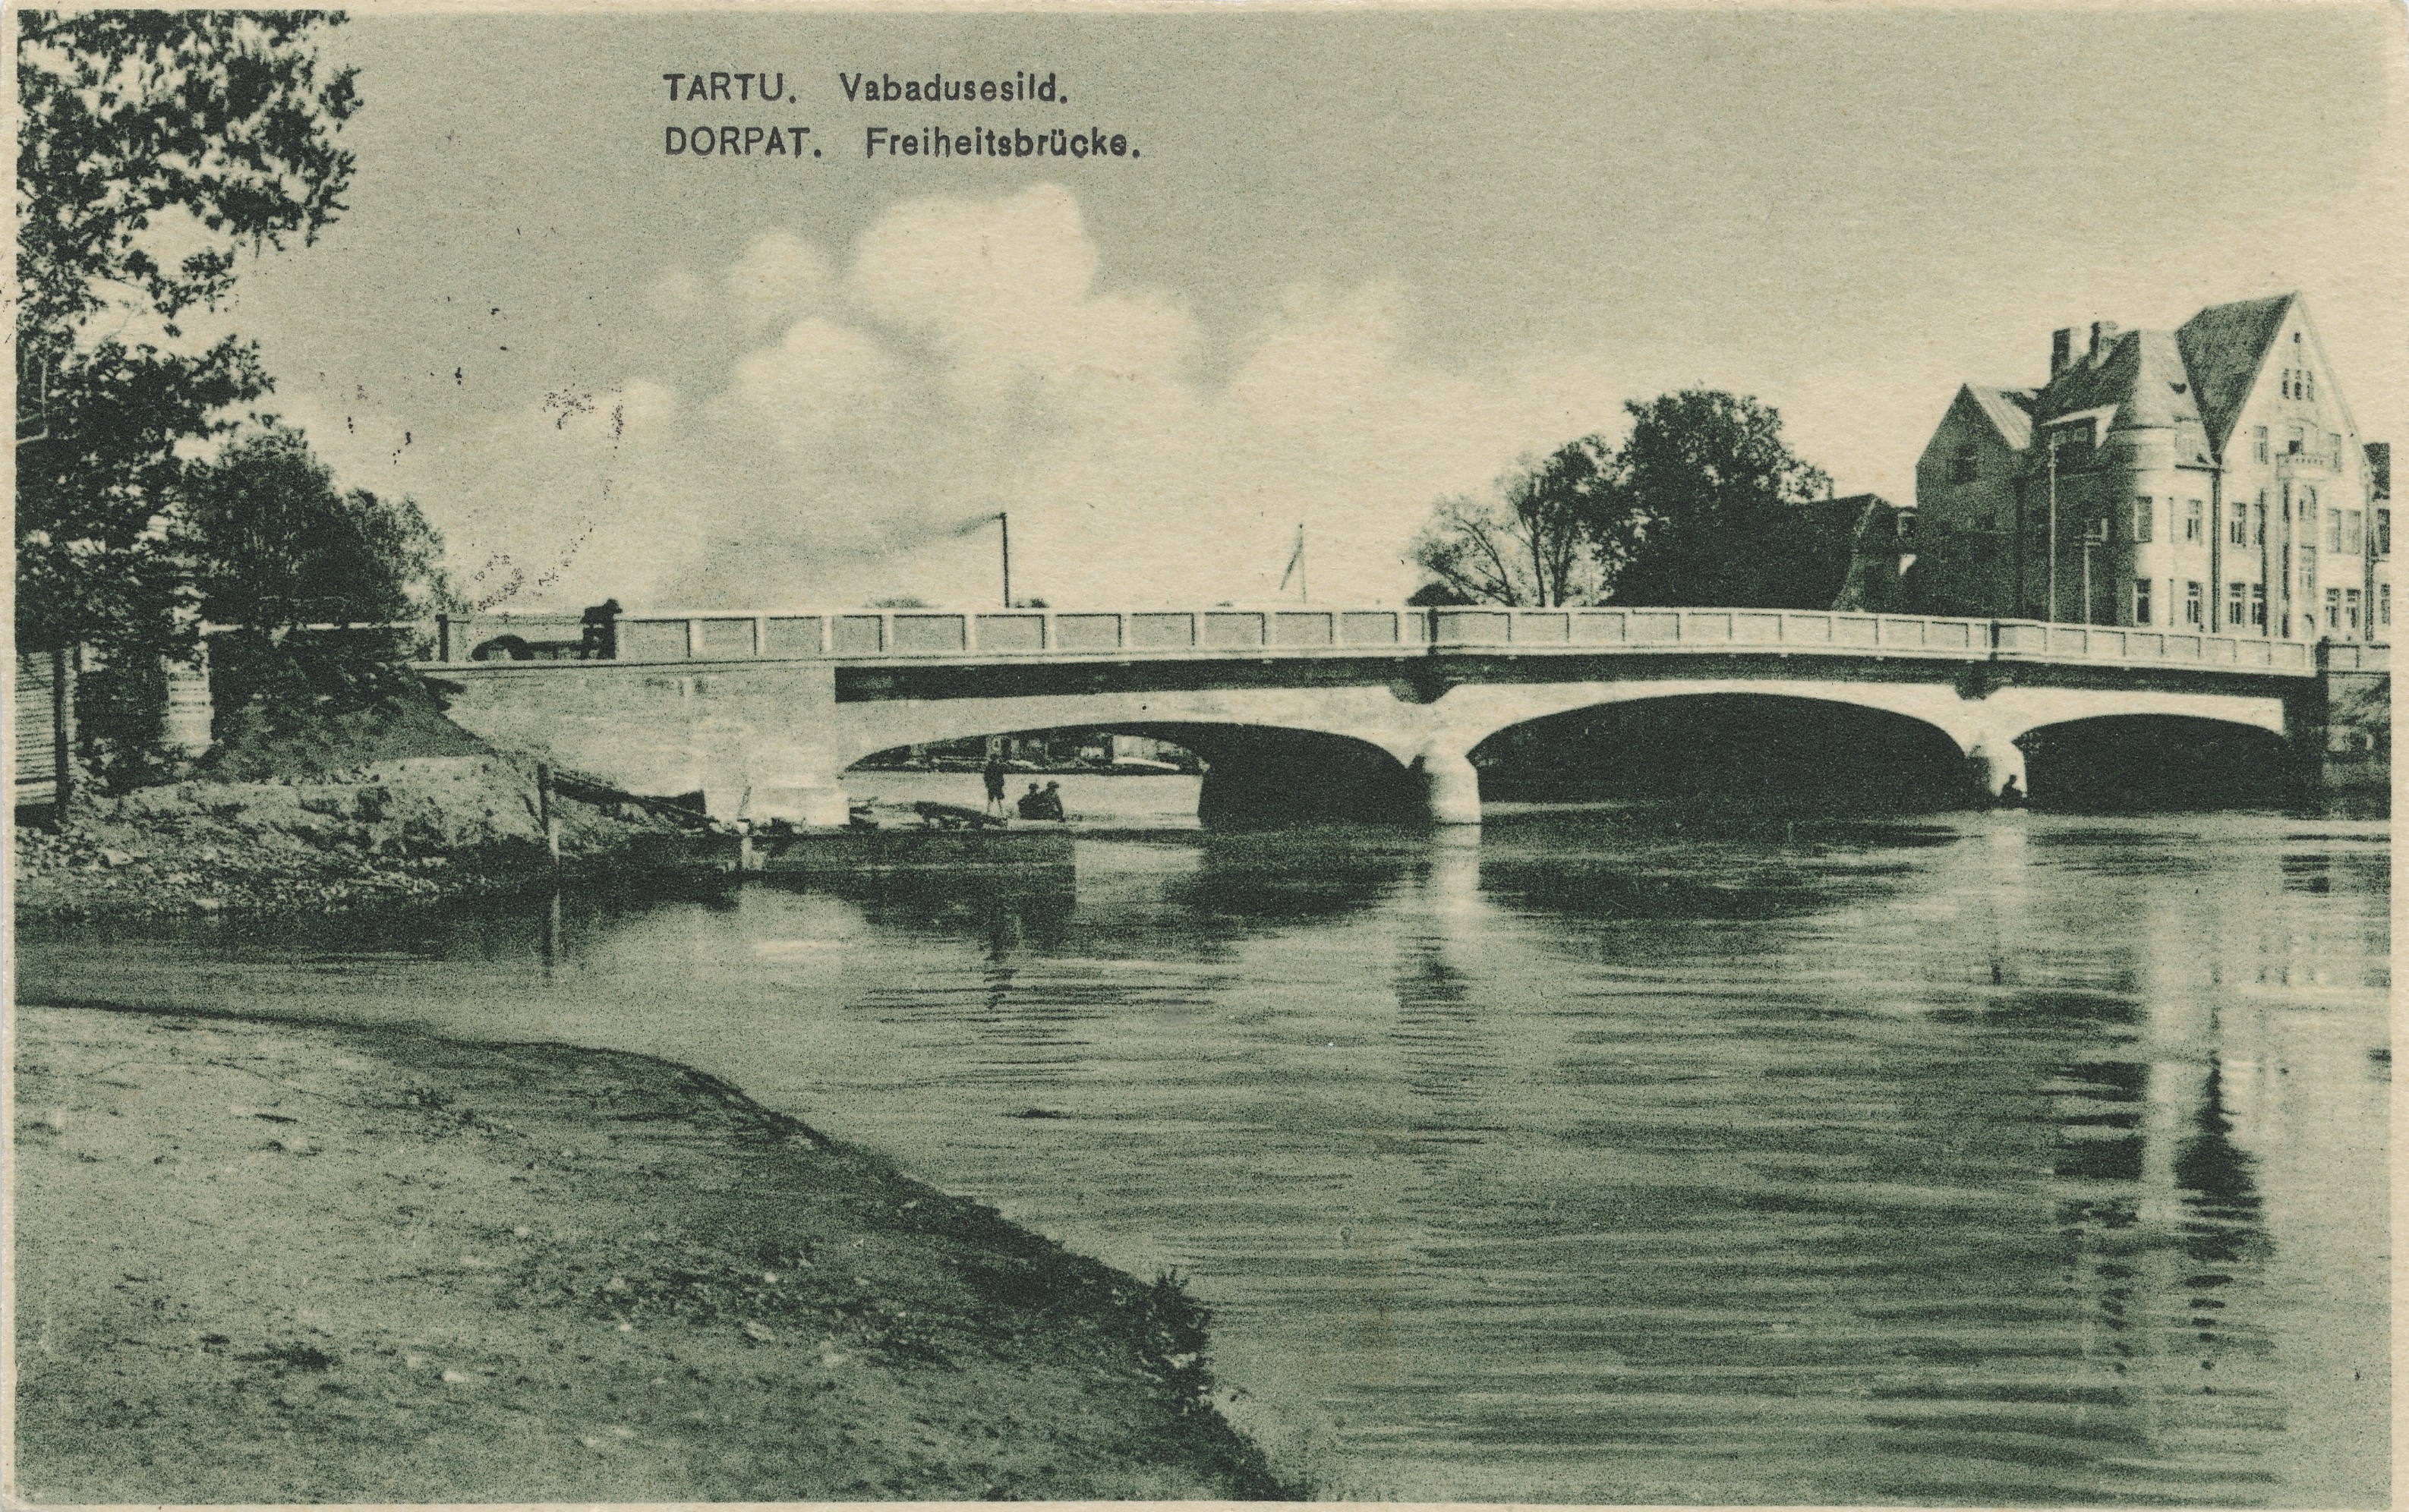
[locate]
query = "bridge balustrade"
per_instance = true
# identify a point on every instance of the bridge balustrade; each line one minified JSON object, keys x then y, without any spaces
{"x":1309,"y":631}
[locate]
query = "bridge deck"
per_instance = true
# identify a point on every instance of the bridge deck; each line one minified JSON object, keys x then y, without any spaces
{"x":907,"y":634}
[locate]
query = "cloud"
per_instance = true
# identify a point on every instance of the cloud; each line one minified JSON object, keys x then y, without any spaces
{"x":779,"y":276}
{"x":675,"y":295}
{"x":972,"y":355}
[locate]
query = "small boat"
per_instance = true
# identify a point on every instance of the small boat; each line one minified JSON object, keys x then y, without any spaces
{"x":1141,"y":767}
{"x":859,"y":852}
{"x":954,"y":817}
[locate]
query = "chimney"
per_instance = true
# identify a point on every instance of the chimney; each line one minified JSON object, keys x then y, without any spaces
{"x":2061,"y":350}
{"x":2379,"y":468}
{"x":2103,"y":335}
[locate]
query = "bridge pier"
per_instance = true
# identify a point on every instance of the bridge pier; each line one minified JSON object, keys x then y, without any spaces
{"x":1993,"y":762}
{"x":1450,"y":786}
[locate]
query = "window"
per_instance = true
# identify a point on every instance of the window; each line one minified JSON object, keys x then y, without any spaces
{"x":2333,"y":609}
{"x":2192,"y":519}
{"x":2292,"y":440}
{"x":2354,"y":539}
{"x":1966,"y":465}
{"x":2258,"y":605}
{"x":2259,"y":442}
{"x":2236,"y":595}
{"x":2384,"y":532}
{"x":2071,"y":447}
{"x":2140,"y":600}
{"x":2192,"y":605}
{"x":2308,"y":568}
{"x":2333,"y":530}
{"x":2145,"y":516}
{"x":2350,"y":610}
{"x":2238,"y":530}
{"x":2333,"y":448}
{"x":2308,"y":385}
{"x":2258,"y":519}
{"x":1903,"y":525}
{"x":2384,"y":605}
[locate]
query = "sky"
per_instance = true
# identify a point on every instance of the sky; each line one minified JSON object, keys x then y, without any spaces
{"x":1358,"y":261}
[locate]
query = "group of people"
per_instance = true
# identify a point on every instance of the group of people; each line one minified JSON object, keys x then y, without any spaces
{"x":1033,"y":804}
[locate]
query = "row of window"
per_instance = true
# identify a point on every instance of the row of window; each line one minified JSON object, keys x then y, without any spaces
{"x":2073,"y":451}
{"x":2300,"y":383}
{"x":2346,"y":529}
{"x":2296,"y":444}
{"x":2342,"y":606}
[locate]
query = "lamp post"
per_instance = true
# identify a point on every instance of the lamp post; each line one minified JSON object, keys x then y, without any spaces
{"x":1003,"y":519}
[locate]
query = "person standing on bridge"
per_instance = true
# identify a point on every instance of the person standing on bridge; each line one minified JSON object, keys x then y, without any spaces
{"x":993,"y":771}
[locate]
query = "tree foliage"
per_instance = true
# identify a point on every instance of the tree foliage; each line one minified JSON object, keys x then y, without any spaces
{"x":153,"y":147}
{"x":1529,"y":541}
{"x":1703,"y":503}
{"x":274,"y":544}
{"x":1708,"y":506}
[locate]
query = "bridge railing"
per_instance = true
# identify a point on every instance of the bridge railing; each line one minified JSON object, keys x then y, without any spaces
{"x":2035,"y":641}
{"x":1225,"y":631}
{"x":2357,"y":657}
{"x":1899,"y":635}
{"x":720,"y":636}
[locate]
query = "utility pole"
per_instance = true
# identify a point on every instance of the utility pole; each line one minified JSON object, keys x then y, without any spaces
{"x":2092,"y":532}
{"x":2053,"y":526}
{"x":1003,"y":519}
{"x":63,"y":727}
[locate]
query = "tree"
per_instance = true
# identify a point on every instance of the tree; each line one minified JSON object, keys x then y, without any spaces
{"x":1704,"y":503}
{"x":206,"y":130}
{"x":272,"y":544}
{"x":1530,"y":542}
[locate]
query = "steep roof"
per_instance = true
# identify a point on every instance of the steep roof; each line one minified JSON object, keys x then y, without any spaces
{"x":2222,"y":348}
{"x":2008,"y":410}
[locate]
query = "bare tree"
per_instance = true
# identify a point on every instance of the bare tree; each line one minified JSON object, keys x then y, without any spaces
{"x":1532,"y":541}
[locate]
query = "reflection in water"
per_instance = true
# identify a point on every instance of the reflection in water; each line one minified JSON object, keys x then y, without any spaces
{"x":2006,"y":1159}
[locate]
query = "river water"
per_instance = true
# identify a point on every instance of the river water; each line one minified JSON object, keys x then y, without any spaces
{"x":1988,"y":1158}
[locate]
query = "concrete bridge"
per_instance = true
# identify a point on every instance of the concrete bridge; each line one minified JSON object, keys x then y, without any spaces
{"x":763,"y":712}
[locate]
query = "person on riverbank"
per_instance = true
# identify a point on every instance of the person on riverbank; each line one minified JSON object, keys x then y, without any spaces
{"x":993,"y":773}
{"x":1044,"y":805}
{"x":1031,"y":802}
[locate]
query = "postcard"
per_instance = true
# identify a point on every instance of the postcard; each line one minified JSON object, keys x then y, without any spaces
{"x":1583,"y":754}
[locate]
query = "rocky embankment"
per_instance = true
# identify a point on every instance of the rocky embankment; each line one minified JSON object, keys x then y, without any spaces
{"x":415,"y":829}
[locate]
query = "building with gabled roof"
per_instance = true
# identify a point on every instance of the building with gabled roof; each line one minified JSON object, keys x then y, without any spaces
{"x":2207,"y":478}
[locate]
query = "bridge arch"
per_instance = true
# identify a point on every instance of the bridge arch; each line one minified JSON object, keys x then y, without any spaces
{"x":1259,"y":774}
{"x":1752,"y":745}
{"x":2159,"y":760}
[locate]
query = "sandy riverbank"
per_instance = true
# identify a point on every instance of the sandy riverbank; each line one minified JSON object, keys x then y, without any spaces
{"x":260,"y":1261}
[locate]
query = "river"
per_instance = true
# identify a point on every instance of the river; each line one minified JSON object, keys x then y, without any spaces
{"x":1982,"y":1157}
